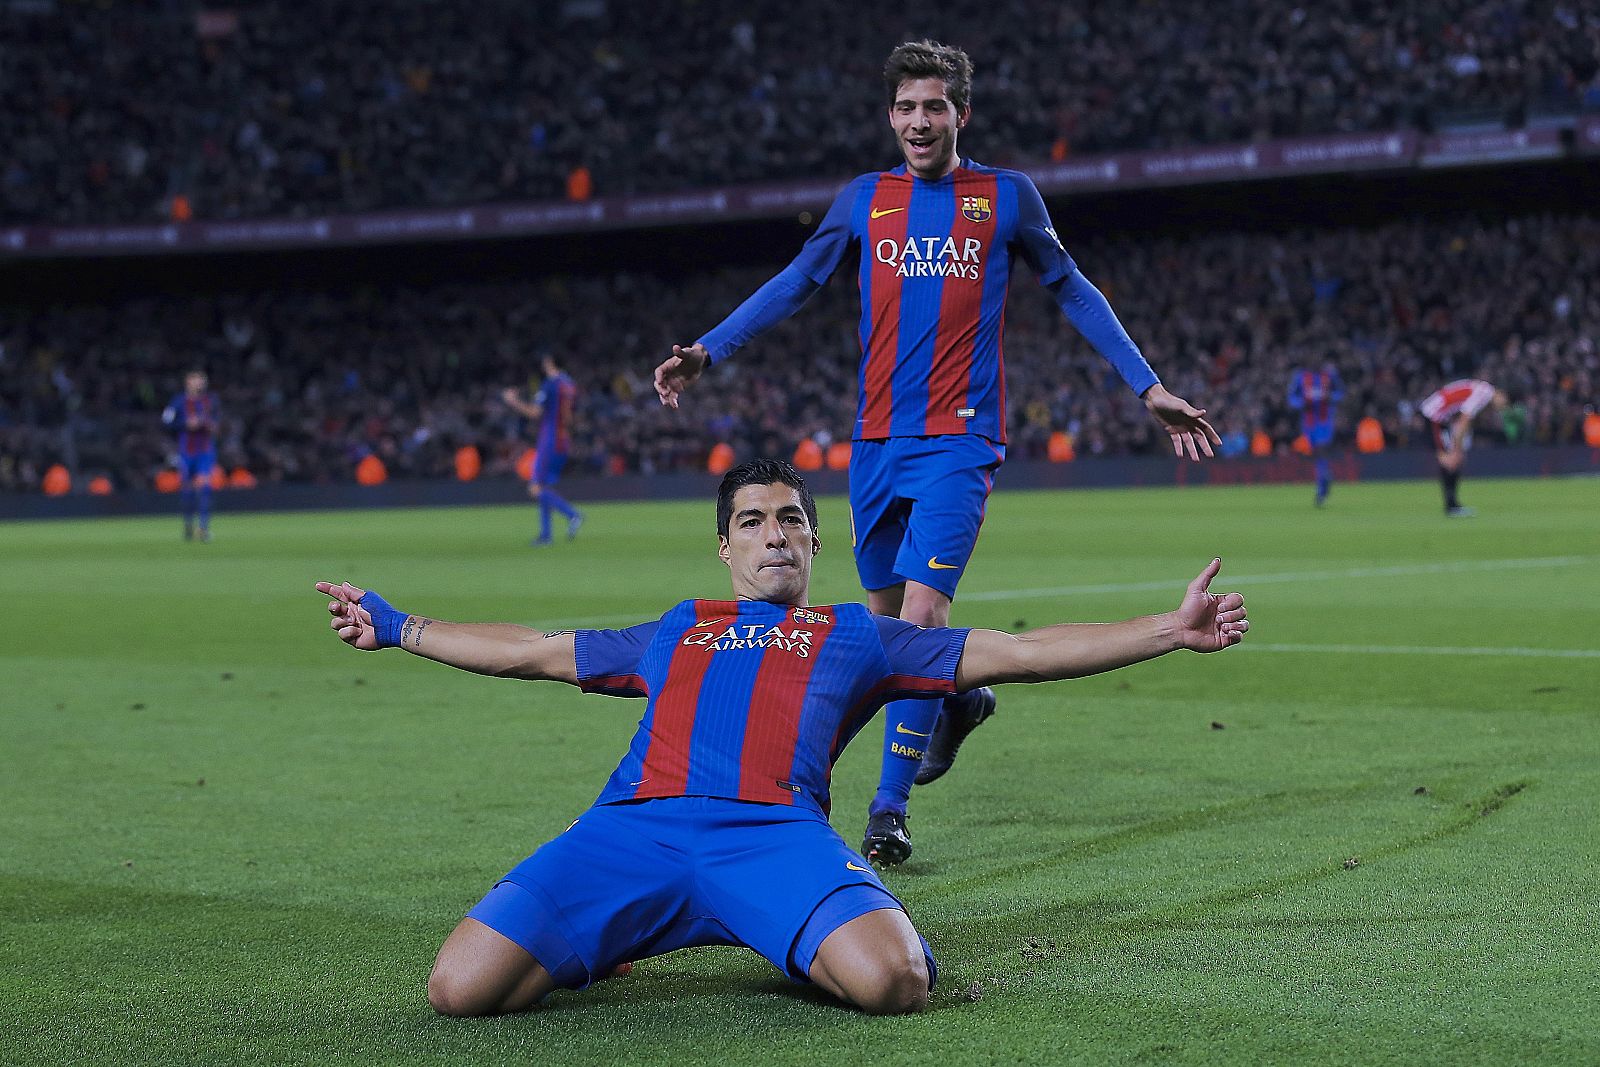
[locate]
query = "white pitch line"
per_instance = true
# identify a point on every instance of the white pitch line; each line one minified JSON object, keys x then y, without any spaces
{"x":1425,"y":650}
{"x":1235,"y":580}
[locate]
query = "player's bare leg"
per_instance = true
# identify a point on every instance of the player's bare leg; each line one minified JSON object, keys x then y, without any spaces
{"x":482,"y":972}
{"x":875,"y":962}
{"x":1450,"y":463}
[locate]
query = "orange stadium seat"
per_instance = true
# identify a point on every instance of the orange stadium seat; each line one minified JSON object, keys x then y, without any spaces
{"x":1591,"y":429}
{"x":468,"y":463}
{"x":241,"y":478}
{"x":808,"y":455}
{"x":100,"y":485}
{"x":371,"y":471}
{"x":1369,"y":435}
{"x":839,"y":456}
{"x":1260,"y":443}
{"x":168,"y":481}
{"x":219,"y":477}
{"x":1061,"y":448}
{"x":721,"y":458}
{"x":57,"y":482}
{"x":525,"y":463}
{"x":1302,"y":445}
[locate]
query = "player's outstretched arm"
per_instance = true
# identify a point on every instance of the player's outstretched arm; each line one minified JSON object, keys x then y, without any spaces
{"x":513,"y":400}
{"x":364,"y":620}
{"x":1203,"y":622}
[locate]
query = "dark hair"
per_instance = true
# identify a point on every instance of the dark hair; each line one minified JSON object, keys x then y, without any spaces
{"x":930,"y":59}
{"x":761,"y":472}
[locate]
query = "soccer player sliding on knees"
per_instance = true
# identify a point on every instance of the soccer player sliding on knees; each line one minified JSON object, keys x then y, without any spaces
{"x":713,"y":830}
{"x":936,"y":238}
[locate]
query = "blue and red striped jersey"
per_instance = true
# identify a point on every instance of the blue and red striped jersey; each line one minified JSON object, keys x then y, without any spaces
{"x":935,"y":266}
{"x":1315,"y":394}
{"x":196,"y":419}
{"x":556,"y":398}
{"x":755,"y":701}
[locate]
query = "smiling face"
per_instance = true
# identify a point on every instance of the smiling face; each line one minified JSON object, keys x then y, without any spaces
{"x":769,"y":545}
{"x":194,"y":383}
{"x":925,"y":124}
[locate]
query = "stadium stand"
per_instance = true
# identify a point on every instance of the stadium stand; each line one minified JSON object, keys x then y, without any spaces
{"x":312,"y":383}
{"x":161,"y":109}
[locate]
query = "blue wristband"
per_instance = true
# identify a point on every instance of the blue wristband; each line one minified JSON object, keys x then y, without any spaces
{"x":386,"y":621}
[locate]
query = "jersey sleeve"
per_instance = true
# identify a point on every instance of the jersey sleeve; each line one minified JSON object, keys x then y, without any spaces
{"x":1035,"y":238}
{"x":922,"y":660}
{"x":608,"y":660}
{"x":791,"y":287}
{"x":1297,"y":396}
{"x":826,"y":248}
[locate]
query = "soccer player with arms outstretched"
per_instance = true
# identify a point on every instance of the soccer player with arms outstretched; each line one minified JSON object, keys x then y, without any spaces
{"x":936,"y":236}
{"x":552,"y":408}
{"x":196,"y":415}
{"x":713,"y":830}
{"x":1315,"y":394}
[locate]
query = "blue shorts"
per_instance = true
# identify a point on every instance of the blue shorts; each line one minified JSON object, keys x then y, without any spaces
{"x":916,"y":504}
{"x":1319,"y":434}
{"x":196,"y":466}
{"x":633,"y":880}
{"x":547,"y":467}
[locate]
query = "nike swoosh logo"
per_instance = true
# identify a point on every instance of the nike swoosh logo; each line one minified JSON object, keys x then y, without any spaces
{"x":857,"y":867}
{"x":877,"y":214}
{"x":900,"y":728}
{"x":933,"y":562}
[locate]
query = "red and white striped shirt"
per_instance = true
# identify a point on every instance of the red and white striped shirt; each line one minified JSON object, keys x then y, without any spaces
{"x":1468,"y":395}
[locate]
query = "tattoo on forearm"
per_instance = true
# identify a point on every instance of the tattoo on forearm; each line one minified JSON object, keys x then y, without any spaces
{"x":405,"y":631}
{"x":422,"y":625}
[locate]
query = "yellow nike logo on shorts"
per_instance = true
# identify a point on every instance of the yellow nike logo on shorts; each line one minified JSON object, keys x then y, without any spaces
{"x":854,"y":866}
{"x":877,"y":214}
{"x":934,"y":564}
{"x":900,"y":728}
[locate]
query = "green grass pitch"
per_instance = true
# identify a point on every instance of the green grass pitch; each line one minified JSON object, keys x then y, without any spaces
{"x":1367,"y":836}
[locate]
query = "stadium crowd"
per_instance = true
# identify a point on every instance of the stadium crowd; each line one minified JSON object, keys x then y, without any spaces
{"x":160,"y":109}
{"x":312,"y":383}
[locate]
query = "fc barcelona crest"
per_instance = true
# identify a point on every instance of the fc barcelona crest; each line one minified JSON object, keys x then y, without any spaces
{"x":976,"y":208}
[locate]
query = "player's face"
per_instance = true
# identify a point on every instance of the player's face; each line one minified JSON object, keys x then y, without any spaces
{"x":769,"y":545}
{"x":195,"y":384}
{"x":925,"y":123}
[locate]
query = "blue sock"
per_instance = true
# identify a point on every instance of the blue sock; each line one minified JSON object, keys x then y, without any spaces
{"x":186,"y":499}
{"x":544,"y":515}
{"x":556,"y":501}
{"x":205,"y":507}
{"x":907,"y":725}
{"x":1324,"y":477}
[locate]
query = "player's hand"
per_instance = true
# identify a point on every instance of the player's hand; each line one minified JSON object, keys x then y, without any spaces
{"x":679,"y":371}
{"x":508,"y":395}
{"x":1207,"y":621}
{"x":1191,"y":433}
{"x":352,"y":622}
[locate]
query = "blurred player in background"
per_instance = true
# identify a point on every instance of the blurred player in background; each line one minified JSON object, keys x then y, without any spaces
{"x":937,"y":235}
{"x":713,"y":830}
{"x":1451,"y":411}
{"x":1316,"y":395}
{"x":195,"y":414}
{"x":552,"y":408}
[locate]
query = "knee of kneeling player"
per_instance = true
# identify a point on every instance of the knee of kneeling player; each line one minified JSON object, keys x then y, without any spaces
{"x":450,"y":994}
{"x":898,"y":987}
